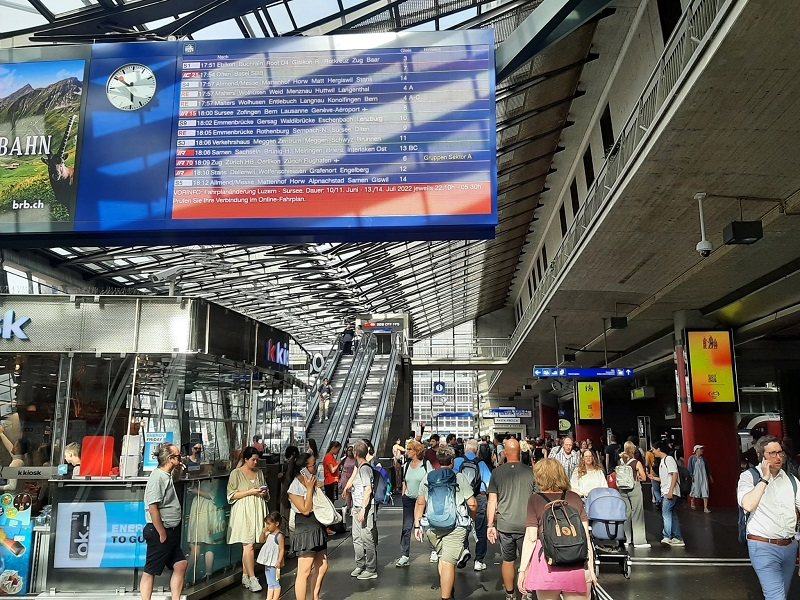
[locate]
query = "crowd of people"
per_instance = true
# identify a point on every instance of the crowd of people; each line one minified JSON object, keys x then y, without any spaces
{"x":455,"y":493}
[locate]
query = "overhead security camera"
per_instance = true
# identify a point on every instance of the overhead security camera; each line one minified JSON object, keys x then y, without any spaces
{"x":704,"y":247}
{"x":167,"y":274}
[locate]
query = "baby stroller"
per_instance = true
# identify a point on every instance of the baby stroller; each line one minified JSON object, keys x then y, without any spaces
{"x":607,"y":511}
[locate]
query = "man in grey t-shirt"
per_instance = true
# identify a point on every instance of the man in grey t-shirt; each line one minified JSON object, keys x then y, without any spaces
{"x":163,"y":530}
{"x":509,"y":489}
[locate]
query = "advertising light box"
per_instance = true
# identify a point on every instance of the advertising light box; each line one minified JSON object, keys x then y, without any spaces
{"x":354,"y":137}
{"x":712,"y":373}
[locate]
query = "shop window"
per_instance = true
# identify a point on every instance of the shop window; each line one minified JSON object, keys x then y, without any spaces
{"x":607,"y":131}
{"x":588,"y":166}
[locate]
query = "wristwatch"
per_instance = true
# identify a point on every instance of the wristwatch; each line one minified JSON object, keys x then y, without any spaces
{"x":766,"y":481}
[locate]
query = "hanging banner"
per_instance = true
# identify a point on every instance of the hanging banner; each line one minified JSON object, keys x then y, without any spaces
{"x":589,"y":402}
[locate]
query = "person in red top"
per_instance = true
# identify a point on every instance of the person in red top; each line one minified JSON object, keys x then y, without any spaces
{"x":430,"y":453}
{"x":331,"y":465}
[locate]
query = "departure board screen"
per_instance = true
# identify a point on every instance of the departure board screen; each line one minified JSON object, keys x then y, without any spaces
{"x":332,"y":138}
{"x":334,"y":133}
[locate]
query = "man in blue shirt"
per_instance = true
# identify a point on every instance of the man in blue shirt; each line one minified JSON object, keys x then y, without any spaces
{"x":481,"y":546}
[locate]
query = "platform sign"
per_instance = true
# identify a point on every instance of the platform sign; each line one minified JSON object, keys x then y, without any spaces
{"x":439,"y":388}
{"x":578,"y":373}
{"x":352,"y":137}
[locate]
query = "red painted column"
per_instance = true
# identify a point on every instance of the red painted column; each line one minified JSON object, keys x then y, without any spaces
{"x":548,"y":418}
{"x":717,"y":432}
{"x":589,"y":432}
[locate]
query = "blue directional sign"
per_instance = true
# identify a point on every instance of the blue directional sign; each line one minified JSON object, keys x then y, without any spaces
{"x":578,"y":373}
{"x":439,"y":388}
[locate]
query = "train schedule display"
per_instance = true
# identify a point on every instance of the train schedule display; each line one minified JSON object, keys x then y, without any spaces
{"x":387,"y":136}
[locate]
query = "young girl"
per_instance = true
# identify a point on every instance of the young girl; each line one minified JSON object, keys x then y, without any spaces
{"x":271,"y":555}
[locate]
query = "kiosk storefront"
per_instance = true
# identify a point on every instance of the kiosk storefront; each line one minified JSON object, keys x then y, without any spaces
{"x":88,"y":386}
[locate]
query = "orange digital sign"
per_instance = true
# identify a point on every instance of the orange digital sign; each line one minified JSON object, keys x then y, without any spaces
{"x":711,"y":367}
{"x":589,"y":403}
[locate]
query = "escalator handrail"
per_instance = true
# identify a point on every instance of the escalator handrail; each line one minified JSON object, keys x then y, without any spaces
{"x":346,"y":410}
{"x":388,"y":384}
{"x":331,"y":362}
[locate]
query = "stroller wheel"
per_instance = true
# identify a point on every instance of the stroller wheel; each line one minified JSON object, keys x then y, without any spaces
{"x":626,"y":568}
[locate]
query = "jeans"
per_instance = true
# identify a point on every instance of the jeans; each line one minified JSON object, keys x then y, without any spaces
{"x":408,"y":525}
{"x":774,"y":566}
{"x":365,"y":540}
{"x":656,"y":485}
{"x":480,"y":529}
{"x":672,"y":526}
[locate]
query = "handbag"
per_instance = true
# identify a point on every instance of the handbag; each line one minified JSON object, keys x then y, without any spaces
{"x":324,"y":510}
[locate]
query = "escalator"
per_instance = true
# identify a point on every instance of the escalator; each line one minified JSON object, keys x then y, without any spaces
{"x":315,"y":429}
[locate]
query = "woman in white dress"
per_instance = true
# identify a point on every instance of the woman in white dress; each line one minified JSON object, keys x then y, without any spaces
{"x":588,"y":475}
{"x":701,"y":477}
{"x":247,"y":493}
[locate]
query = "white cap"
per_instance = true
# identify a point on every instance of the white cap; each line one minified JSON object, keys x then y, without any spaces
{"x":696,"y":446}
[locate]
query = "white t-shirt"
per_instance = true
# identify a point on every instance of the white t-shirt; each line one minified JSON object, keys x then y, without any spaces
{"x":667,"y":467}
{"x":298,"y":489}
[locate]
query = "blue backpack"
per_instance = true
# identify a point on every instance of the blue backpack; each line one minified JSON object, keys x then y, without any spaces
{"x":442,"y":512}
{"x":381,"y":486}
{"x":744,"y":516}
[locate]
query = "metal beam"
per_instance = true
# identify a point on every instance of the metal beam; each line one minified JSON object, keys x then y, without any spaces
{"x":549,"y":22}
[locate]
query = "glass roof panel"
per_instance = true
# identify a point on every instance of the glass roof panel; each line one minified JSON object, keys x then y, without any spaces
{"x":225,"y":30}
{"x":280,"y":17}
{"x":310,"y":11}
{"x":15,"y":16}
{"x":59,"y":7}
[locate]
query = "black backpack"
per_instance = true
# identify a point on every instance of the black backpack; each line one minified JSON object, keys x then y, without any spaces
{"x":485,"y":452}
{"x":471,"y":469}
{"x":684,"y":479}
{"x":563,"y":537}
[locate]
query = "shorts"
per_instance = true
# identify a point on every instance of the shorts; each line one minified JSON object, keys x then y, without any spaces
{"x":161,"y":555}
{"x":272,"y":578}
{"x":510,"y":545}
{"x":448,"y":545}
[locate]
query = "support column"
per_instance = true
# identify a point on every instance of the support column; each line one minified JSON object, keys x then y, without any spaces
{"x":589,"y":432}
{"x":716,"y":431}
{"x":548,"y":417}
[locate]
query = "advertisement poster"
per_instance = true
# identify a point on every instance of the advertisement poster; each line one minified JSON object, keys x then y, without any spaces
{"x":589,"y":403}
{"x":16,"y":540}
{"x":151,"y":440}
{"x":40,"y":104}
{"x":711,"y":368}
{"x":104,"y":535}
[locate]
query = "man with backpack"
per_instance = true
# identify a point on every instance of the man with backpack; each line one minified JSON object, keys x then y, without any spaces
{"x":477,"y":473}
{"x":671,"y":494}
{"x":365,"y":527}
{"x":443,"y":509}
{"x":509,"y":490}
{"x":770,"y":498}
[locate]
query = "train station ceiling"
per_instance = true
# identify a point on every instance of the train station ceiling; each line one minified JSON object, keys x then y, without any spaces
{"x":311,"y":289}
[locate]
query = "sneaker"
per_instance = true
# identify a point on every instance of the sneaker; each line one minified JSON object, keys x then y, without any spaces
{"x":367,"y":575}
{"x":676,"y":542}
{"x":707,"y":510}
{"x":356,"y":572}
{"x":666,"y":541}
{"x":245,"y":581}
{"x":255,"y":586}
{"x":479,"y":566}
{"x":510,"y":596}
{"x":463,"y":559}
{"x":642,"y":546}
{"x":402,"y":562}
{"x":434,"y":556}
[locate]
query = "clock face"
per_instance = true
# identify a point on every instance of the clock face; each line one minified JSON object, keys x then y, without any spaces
{"x":131,"y":87}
